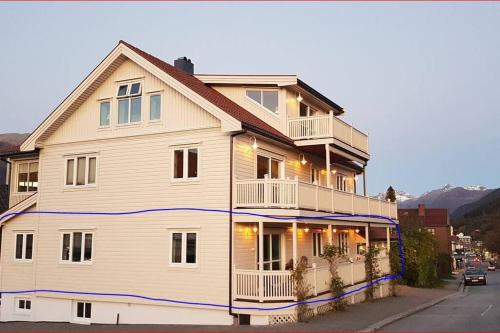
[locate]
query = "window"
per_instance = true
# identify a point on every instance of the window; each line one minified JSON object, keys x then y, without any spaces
{"x":24,"y":246}
{"x":23,"y":304}
{"x":186,"y":163}
{"x":83,"y":310}
{"x":266,"y":98}
{"x":81,"y":171}
{"x":268,"y":166}
{"x":315,"y":176}
{"x":306,"y":111}
{"x":104,"y":114}
{"x":129,"y":103}
{"x":361,"y":249}
{"x":27,"y":177}
{"x":317,"y":244}
{"x":343,"y":243}
{"x":76,"y":247}
{"x":154,"y":107}
{"x":184,"y":248}
{"x":431,"y":230}
{"x":341,"y":183}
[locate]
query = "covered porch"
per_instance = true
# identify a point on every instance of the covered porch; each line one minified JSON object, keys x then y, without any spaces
{"x":279,"y":245}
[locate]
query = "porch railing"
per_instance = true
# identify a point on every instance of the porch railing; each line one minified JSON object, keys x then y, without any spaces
{"x":292,"y":193}
{"x":327,"y":126}
{"x":278,"y":285}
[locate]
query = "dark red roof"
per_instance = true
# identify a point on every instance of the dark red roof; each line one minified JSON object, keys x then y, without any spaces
{"x":10,"y":149}
{"x":432,"y":217}
{"x":210,"y":94}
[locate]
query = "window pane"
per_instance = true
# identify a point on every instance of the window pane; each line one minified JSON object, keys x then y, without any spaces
{"x":270,"y":100}
{"x":77,"y":247}
{"x":29,"y":246}
{"x":19,"y":246}
{"x":255,"y":95}
{"x":303,"y":110}
{"x":79,"y":309}
{"x":178,"y":163}
{"x":123,"y":111}
{"x":193,"y":163}
{"x":33,"y":177}
{"x":262,"y":166}
{"x":275,"y":169}
{"x":92,"y":170}
{"x":104,"y":114}
{"x":22,"y":185}
{"x":70,"y":169}
{"x":65,"y":247}
{"x":87,"y":254}
{"x":276,"y":247}
{"x":135,"y":89}
{"x":191,"y":247}
{"x":177,"y":247}
{"x":28,"y":305}
{"x":80,"y":171}
{"x":155,"y":107}
{"x":88,"y":310}
{"x":21,"y":304}
{"x":122,"y":91}
{"x":314,"y":246}
{"x":135,"y":115}
{"x":266,"y":247}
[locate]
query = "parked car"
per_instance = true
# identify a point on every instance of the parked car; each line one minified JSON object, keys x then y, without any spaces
{"x":491,"y":267}
{"x":474,"y":276}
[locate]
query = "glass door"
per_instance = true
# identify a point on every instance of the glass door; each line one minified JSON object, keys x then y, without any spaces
{"x":268,"y":166}
{"x":272,"y":252}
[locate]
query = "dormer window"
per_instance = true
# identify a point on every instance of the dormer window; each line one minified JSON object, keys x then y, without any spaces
{"x":129,"y":103}
{"x":266,"y":98}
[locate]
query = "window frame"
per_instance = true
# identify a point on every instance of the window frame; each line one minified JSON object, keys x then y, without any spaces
{"x":102,"y":101}
{"x":82,"y":319}
{"x":128,"y":96}
{"x":271,"y":157}
{"x":24,"y":310}
{"x":23,"y":251}
{"x":183,"y":263}
{"x":150,"y":95}
{"x":261,"y":90}
{"x":18,"y":169}
{"x":185,"y":164}
{"x":70,"y":253}
{"x":317,"y":244}
{"x":75,"y":171}
{"x":343,"y":182}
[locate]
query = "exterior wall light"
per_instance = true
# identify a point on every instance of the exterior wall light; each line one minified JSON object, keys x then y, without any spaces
{"x":299,"y":98}
{"x":255,"y":229}
{"x":254,"y":143}
{"x":334,"y":230}
{"x":302,"y":159}
{"x":334,"y":171}
{"x":306,"y":229}
{"x":357,"y":230}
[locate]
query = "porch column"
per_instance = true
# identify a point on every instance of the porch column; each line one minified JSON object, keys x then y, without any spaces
{"x":261,"y":261}
{"x":330,"y":235}
{"x":364,"y":181}
{"x":328,"y":171}
{"x":367,"y":235}
{"x":294,"y":243}
{"x":388,"y":230}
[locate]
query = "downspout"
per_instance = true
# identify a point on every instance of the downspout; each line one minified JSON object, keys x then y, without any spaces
{"x":9,"y":172}
{"x":231,"y":144}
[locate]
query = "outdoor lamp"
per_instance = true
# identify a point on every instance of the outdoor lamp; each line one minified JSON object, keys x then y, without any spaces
{"x":254,"y":143}
{"x":299,"y":98}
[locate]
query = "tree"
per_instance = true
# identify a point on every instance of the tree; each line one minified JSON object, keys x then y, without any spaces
{"x":390,"y":194}
{"x":492,"y":240}
{"x":372,"y":270}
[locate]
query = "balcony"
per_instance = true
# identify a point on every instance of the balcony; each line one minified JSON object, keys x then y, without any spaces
{"x":327,"y":126}
{"x":294,"y":194}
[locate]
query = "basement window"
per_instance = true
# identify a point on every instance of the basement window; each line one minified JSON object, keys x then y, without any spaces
{"x":83,"y":310}
{"x":23,"y":305}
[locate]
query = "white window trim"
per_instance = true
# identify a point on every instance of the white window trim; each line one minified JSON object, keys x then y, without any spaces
{"x":276,"y":114}
{"x":183,"y":263}
{"x":270,"y":156}
{"x":110,"y":101}
{"x":25,"y":311}
{"x":185,"y":178}
{"x":23,"y":255}
{"x":151,"y":94}
{"x":128,"y":96}
{"x":18,"y":168}
{"x":75,"y":312}
{"x":75,"y":168}
{"x":70,"y":255}
{"x":319,"y":244}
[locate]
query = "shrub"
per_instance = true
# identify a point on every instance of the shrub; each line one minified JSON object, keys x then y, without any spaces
{"x":333,"y":254}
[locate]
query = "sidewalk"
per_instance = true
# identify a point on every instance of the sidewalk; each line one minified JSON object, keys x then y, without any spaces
{"x":356,"y":317}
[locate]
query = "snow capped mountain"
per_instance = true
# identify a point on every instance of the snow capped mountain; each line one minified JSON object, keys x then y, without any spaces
{"x":401,"y":196}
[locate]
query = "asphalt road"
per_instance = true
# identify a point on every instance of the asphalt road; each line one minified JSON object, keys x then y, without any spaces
{"x":477,"y":308}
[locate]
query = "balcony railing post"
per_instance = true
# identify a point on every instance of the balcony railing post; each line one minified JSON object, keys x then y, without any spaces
{"x":315,"y":279}
{"x":317,"y":197}
{"x":330,"y":120}
{"x":352,"y":273}
{"x":296,"y":191}
{"x":266,"y":191}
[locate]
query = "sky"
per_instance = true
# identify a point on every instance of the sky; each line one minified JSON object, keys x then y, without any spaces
{"x":422,"y":79}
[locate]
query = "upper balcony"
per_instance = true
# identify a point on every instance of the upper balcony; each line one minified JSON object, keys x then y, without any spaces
{"x":327,"y":126}
{"x":295,"y":194}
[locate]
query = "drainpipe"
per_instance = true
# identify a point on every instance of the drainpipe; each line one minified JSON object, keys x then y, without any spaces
{"x":231,"y":144}
{"x":9,"y":171}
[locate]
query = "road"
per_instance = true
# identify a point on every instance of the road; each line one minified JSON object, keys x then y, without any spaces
{"x":477,"y":308}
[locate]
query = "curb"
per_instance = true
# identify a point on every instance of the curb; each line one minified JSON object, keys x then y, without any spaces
{"x":389,"y":320}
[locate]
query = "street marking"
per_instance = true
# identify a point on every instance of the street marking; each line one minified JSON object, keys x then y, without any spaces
{"x":487,"y":309}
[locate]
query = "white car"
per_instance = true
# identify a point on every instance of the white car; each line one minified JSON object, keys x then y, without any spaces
{"x":491,"y":268}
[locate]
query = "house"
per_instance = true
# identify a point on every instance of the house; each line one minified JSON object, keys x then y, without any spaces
{"x":252,"y":163}
{"x":434,"y":220}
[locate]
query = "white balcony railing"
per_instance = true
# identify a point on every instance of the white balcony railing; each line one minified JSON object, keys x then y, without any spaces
{"x":292,"y":193}
{"x":327,"y":126}
{"x":278,"y":285}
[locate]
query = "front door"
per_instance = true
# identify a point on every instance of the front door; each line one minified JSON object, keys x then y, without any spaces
{"x":272,"y":252}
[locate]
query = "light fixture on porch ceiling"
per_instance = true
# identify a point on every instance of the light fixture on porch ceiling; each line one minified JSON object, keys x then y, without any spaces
{"x":334,"y":230}
{"x":334,"y":171}
{"x":302,"y":159}
{"x":255,"y":229}
{"x":254,"y":143}
{"x":306,"y":229}
{"x":299,"y":98}
{"x":357,"y":230}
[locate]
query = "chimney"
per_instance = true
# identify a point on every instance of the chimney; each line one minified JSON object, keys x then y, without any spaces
{"x":184,"y":64}
{"x":421,"y":210}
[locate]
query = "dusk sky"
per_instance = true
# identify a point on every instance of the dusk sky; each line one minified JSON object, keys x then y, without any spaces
{"x":423,"y":79}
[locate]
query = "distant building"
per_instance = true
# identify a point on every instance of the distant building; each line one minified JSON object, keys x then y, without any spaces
{"x":435,"y":220}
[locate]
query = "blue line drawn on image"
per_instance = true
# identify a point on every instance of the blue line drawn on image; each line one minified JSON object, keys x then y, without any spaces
{"x":183,"y":209}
